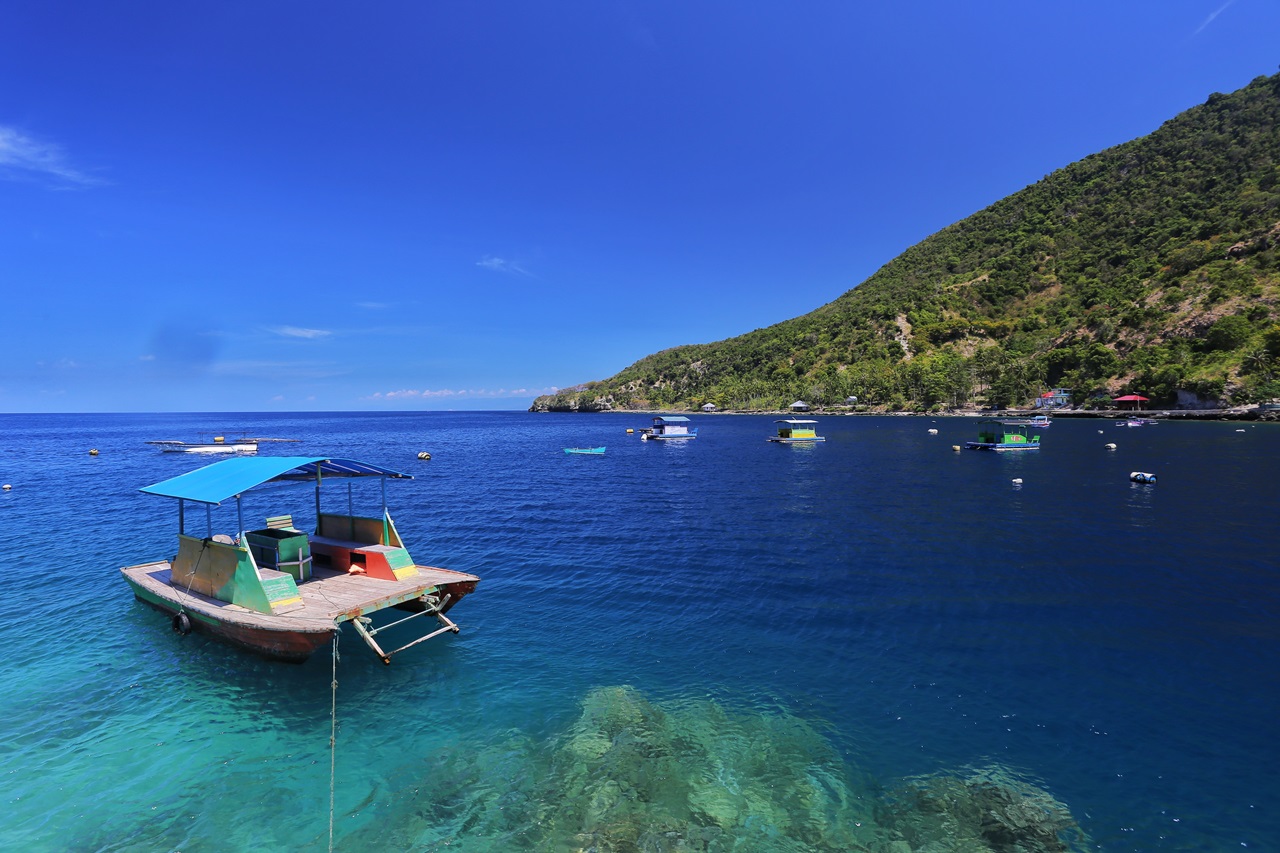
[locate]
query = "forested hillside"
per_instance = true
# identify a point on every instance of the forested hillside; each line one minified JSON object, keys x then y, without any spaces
{"x":1152,"y":267}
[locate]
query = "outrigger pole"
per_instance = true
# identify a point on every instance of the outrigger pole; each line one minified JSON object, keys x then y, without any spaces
{"x":367,"y":634}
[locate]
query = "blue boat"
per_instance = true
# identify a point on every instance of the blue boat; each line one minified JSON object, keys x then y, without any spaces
{"x":595,"y":451}
{"x":1005,"y":435}
{"x":674,"y":428}
{"x":280,"y":591}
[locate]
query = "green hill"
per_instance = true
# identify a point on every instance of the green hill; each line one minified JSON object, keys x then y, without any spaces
{"x":1152,"y":267}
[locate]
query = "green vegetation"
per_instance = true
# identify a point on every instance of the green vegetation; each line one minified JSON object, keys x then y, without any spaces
{"x":1152,"y":267}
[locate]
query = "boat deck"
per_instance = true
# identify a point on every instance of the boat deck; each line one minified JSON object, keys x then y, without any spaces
{"x":328,"y":598}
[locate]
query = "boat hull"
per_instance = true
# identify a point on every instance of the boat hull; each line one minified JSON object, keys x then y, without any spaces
{"x":293,"y":644}
{"x":1001,"y":448}
{"x":796,"y":440}
{"x":296,"y":635}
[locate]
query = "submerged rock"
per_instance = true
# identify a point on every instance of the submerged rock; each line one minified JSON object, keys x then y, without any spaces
{"x":987,"y":810}
{"x":630,"y":776}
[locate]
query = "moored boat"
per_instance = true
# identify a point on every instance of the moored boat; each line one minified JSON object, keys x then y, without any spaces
{"x":596,"y":451}
{"x":218,"y":445}
{"x":796,"y":430}
{"x":674,"y":428}
{"x":1005,"y":435}
{"x":282,"y":592}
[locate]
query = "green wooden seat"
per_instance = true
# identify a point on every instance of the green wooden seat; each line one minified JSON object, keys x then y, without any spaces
{"x":280,"y":522}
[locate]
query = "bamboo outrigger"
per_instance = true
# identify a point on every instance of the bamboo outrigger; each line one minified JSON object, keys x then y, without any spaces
{"x":282,"y":592}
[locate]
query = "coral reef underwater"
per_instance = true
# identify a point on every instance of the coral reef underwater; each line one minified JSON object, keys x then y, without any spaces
{"x":632,"y":777}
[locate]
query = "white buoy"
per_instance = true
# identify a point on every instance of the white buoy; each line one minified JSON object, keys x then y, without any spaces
{"x":93,"y":452}
{"x":1239,"y":430}
{"x":933,"y":432}
{"x":1142,"y":477}
{"x":424,"y":455}
{"x":955,"y":447}
{"x":1110,"y":446}
{"x":1099,"y":432}
{"x":1017,"y":481}
{"x":6,"y":487}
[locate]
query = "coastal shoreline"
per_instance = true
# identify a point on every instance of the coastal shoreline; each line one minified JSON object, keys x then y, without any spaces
{"x":1241,"y":413}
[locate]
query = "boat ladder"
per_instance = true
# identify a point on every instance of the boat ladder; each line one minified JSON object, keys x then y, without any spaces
{"x":363,"y":626}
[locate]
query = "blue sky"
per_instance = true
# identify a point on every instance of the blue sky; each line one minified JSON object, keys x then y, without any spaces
{"x":286,"y":206}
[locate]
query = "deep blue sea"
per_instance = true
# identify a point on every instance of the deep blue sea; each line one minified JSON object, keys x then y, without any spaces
{"x":875,"y":643}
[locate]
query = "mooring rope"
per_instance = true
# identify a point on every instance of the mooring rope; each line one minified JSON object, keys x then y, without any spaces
{"x":333,"y":733}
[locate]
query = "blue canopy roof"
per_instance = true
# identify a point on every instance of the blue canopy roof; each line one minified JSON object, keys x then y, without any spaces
{"x":214,"y":483}
{"x":674,"y":419}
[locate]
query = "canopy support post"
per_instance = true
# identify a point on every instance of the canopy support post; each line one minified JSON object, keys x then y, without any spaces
{"x":239,"y":518}
{"x":386,"y":533}
{"x":182,"y":516}
{"x":318,"y":477}
{"x":208,"y":520}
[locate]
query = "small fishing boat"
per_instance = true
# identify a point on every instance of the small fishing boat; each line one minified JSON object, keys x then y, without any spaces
{"x":674,"y":428}
{"x":218,"y":445}
{"x":595,"y":451}
{"x":283,"y":592}
{"x":1005,"y":435}
{"x":795,"y":430}
{"x":1137,"y":422}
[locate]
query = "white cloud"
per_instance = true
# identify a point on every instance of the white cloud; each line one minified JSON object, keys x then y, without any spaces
{"x":448,"y":393}
{"x":503,"y":266}
{"x":25,"y":158}
{"x":295,"y":332}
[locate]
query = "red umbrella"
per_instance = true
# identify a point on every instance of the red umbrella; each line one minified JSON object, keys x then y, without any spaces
{"x":1131,"y":398}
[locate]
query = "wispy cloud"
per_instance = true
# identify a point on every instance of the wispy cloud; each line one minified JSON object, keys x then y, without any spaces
{"x":295,"y":332}
{"x":503,"y":266}
{"x":1214,"y":14}
{"x":23,"y":157}
{"x":446,"y":393}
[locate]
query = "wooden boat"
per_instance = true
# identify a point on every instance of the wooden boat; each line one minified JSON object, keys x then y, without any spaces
{"x":795,"y":430}
{"x":674,"y":428}
{"x":597,"y":451}
{"x":282,"y":592}
{"x":1005,"y":435}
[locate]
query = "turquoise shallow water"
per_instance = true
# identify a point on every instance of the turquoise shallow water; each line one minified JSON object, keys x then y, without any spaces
{"x":725,"y":644}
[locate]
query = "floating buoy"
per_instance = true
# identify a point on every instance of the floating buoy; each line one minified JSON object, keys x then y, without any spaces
{"x":424,"y":455}
{"x":1239,"y":430}
{"x":1099,"y":432}
{"x":182,"y":623}
{"x":93,"y":452}
{"x":955,"y":447}
{"x":6,"y":487}
{"x":630,"y":430}
{"x":933,"y":432}
{"x":1109,"y":446}
{"x":1017,"y":481}
{"x":1142,"y":477}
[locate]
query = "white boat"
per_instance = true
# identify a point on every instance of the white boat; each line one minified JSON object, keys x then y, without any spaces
{"x":218,"y":445}
{"x":674,"y":428}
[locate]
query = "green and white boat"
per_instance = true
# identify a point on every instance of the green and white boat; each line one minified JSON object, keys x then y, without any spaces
{"x":1005,"y":435}
{"x":795,"y":431}
{"x":280,"y":591}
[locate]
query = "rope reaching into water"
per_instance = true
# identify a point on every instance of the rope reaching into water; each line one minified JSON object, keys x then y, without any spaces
{"x":333,"y":734}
